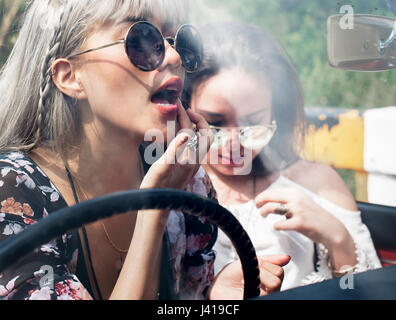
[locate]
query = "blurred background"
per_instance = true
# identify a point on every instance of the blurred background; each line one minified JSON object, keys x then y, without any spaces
{"x":301,"y":27}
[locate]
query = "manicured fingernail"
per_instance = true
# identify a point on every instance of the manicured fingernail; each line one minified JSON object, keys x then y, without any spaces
{"x":185,"y":138}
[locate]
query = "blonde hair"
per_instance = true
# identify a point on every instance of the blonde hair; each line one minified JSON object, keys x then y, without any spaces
{"x":33,"y":112}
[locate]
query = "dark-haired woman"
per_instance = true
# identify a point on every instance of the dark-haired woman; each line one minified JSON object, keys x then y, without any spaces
{"x":249,"y":93}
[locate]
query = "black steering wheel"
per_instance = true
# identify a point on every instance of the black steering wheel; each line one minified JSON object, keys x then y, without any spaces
{"x":72,"y":218}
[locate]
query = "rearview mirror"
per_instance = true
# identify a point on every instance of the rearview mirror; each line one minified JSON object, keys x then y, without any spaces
{"x":367,"y":45}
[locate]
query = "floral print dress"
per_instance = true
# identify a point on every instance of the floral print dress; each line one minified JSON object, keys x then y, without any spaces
{"x":56,"y":270}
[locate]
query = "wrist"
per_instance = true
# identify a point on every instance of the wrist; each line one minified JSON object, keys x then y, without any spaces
{"x":342,"y":254}
{"x":337,"y":237}
{"x":153,"y":220}
{"x":336,"y":241}
{"x":344,"y":270}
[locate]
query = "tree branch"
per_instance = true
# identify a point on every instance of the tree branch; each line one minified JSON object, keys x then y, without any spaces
{"x":8,"y":18}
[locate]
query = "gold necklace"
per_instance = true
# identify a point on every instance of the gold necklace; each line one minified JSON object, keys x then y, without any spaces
{"x":111,"y":242}
{"x":115,"y":247}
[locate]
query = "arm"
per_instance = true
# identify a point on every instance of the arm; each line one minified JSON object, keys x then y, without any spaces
{"x":313,"y":221}
{"x":142,"y":265}
{"x":322,"y":208}
{"x":336,"y":198}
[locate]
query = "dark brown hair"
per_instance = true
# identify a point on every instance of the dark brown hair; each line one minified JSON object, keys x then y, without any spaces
{"x":230,"y":45}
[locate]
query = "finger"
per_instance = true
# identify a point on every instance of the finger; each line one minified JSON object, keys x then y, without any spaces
{"x":199,"y":120}
{"x":205,"y":136}
{"x":292,"y":224}
{"x":183,"y":118}
{"x":269,"y":208}
{"x":205,"y":133}
{"x":269,"y":281}
{"x":274,"y":269}
{"x":281,"y":195}
{"x":175,"y":148}
{"x":192,"y":151}
{"x":280,"y":259}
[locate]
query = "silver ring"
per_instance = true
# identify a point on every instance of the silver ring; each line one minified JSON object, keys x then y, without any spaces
{"x":282,"y":210}
{"x":193,"y":143}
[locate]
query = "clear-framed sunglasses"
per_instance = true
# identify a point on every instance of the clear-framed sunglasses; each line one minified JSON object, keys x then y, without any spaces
{"x":250,"y":137}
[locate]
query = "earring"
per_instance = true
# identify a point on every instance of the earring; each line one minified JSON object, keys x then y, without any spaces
{"x":74,"y":100}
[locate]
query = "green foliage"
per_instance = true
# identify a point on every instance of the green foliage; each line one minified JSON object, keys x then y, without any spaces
{"x":10,"y":15}
{"x":301,"y":26}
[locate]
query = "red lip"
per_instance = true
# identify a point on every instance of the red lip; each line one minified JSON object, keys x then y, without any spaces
{"x":230,"y":162}
{"x":173,"y":83}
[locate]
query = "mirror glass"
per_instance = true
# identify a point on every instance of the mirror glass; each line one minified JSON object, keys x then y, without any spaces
{"x":354,"y":45}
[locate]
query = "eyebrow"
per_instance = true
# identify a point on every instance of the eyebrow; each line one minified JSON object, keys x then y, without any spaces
{"x":166,"y":28}
{"x":221,"y":115}
{"x":122,"y":25}
{"x":130,"y":20}
{"x":255,"y":113}
{"x":212,"y":114}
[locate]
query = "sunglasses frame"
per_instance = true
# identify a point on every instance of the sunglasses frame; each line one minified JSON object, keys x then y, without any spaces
{"x":273,"y":126}
{"x":125,"y":40}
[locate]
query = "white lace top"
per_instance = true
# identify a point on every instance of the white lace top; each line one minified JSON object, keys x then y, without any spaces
{"x":267,"y":241}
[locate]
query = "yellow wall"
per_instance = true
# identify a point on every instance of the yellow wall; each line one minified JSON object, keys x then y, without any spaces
{"x":342,"y":146}
{"x":339,"y":145}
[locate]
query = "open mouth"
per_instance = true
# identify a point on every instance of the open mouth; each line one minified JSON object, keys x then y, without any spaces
{"x":167,"y":96}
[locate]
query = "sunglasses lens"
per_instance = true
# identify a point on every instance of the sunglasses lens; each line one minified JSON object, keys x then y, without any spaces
{"x":145,"y":46}
{"x":220,"y":138}
{"x":253,"y":138}
{"x":256,"y":138}
{"x":190,"y":48}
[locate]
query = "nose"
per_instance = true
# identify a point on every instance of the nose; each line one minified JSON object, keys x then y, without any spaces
{"x":172,"y":57}
{"x":234,"y":143}
{"x":234,"y":138}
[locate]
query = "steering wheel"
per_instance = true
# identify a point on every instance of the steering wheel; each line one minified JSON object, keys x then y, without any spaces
{"x":71,"y":218}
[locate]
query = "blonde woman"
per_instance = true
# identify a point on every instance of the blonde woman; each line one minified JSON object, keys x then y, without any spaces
{"x":84,"y":82}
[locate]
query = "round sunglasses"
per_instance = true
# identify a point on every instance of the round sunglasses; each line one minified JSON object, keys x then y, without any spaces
{"x":145,"y":46}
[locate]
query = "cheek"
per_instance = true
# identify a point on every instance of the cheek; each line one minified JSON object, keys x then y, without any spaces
{"x":114,"y":92}
{"x":110,"y":82}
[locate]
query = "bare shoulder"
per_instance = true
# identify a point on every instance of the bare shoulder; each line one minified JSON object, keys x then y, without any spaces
{"x":322,"y":180}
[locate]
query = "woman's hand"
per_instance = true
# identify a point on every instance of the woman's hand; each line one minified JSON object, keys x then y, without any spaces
{"x":308,"y":218}
{"x":303,"y":216}
{"x":229,"y":285}
{"x":179,"y":163}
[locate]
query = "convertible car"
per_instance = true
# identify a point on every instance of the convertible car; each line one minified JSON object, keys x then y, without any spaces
{"x":368,"y":47}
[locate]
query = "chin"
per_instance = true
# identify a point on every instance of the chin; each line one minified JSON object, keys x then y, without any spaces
{"x":225,"y":170}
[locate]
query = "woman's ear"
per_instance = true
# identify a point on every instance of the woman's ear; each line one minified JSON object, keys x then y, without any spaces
{"x":66,"y":79}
